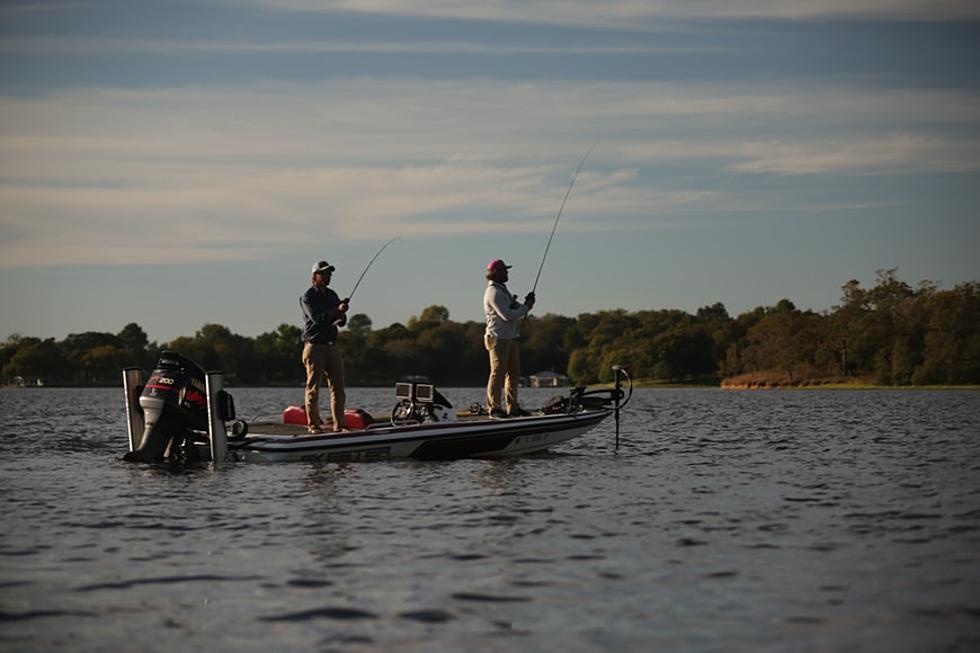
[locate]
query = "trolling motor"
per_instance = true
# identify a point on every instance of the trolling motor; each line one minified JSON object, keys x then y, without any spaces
{"x":579,"y":399}
{"x":621,"y":373}
{"x":174,"y":406}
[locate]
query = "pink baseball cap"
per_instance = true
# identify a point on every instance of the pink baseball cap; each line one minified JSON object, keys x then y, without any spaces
{"x":497,"y":264}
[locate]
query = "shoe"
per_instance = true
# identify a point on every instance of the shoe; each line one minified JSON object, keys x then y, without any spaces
{"x":518,"y":412}
{"x":496,"y":413}
{"x":314,"y":430}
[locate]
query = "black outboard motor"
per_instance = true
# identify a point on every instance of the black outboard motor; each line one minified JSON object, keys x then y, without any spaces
{"x":174,"y":402}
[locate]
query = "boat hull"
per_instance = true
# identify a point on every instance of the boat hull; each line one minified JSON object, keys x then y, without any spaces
{"x":482,"y":438}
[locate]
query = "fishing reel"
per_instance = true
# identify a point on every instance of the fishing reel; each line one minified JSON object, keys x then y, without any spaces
{"x":529,"y":298}
{"x":420,"y":403}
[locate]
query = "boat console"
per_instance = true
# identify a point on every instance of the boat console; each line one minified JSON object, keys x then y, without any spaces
{"x":420,"y":403}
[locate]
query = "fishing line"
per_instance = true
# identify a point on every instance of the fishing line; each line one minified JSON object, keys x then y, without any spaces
{"x":558,"y":217}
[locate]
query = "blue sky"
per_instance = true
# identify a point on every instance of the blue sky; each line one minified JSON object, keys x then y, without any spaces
{"x":177,"y":163}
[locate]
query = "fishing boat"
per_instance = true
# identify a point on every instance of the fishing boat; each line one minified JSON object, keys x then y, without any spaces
{"x":183,"y":413}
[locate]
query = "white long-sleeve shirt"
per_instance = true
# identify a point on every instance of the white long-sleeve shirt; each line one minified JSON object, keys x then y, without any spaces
{"x":502,"y":311}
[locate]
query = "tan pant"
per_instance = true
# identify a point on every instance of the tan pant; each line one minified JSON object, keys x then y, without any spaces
{"x":324,"y":361}
{"x":505,"y":371}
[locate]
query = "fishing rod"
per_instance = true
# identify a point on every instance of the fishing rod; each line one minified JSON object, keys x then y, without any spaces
{"x":373,"y":259}
{"x":367,"y":267}
{"x":558,"y":217}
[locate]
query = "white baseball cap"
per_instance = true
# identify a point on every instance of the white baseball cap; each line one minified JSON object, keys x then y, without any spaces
{"x":322,"y":266}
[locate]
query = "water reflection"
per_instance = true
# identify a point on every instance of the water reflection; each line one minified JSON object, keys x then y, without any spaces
{"x":501,"y":475}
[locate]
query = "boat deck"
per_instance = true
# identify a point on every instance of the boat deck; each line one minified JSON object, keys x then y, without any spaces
{"x":268,"y":427}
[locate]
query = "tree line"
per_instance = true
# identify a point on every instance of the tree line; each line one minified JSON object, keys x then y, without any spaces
{"x":893,"y":334}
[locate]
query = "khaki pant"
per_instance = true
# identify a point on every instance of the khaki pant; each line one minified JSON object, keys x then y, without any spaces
{"x":324,"y":361}
{"x":505,"y":371}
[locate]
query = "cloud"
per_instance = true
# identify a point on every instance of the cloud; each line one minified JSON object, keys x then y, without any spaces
{"x":18,"y":9}
{"x":217,"y":173}
{"x":637,"y":15}
{"x":47,"y":45}
{"x":242,"y":213}
{"x":896,"y":153}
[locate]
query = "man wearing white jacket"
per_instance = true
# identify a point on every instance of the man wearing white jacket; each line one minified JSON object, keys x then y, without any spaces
{"x":503,"y":311}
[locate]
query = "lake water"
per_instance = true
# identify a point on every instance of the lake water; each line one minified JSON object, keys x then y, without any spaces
{"x":727,"y":521}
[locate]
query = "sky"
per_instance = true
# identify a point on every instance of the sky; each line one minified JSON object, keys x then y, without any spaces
{"x":181,"y":163}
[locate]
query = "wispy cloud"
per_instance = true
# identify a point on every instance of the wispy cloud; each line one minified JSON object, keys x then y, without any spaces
{"x":636,"y":15}
{"x":18,"y":9}
{"x":239,"y":215}
{"x":48,"y":45}
{"x":217,"y":173}
{"x":896,"y":153}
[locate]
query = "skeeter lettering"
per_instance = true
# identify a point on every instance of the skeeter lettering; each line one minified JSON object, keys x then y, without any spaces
{"x":358,"y":455}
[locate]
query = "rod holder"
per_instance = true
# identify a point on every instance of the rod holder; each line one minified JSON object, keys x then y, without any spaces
{"x":217,"y":436}
{"x":135,"y":423}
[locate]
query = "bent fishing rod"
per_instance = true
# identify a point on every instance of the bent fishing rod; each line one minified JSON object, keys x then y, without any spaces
{"x":366,"y":268}
{"x":558,"y":217}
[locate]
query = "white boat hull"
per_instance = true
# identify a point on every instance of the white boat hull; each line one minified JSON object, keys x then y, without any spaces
{"x":483,"y":438}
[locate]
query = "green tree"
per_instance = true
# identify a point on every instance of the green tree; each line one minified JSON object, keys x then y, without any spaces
{"x":899,"y":333}
{"x":582,"y":370}
{"x":103,"y":364}
{"x":278,"y":354}
{"x":133,"y":337}
{"x":359,"y":324}
{"x":37,"y":359}
{"x":7,"y":351}
{"x":547,"y":341}
{"x":952,"y":340}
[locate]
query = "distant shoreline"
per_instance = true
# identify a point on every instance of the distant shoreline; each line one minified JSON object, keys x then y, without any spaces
{"x":772,"y":383}
{"x":784,"y":381}
{"x":852,"y":386}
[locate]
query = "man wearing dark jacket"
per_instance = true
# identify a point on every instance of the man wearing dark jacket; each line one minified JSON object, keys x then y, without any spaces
{"x":323,"y":312}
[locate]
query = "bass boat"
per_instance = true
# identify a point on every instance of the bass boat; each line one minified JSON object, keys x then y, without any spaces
{"x":182,"y":413}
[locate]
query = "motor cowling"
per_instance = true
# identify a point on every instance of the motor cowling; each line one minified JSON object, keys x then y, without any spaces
{"x":174,"y":403}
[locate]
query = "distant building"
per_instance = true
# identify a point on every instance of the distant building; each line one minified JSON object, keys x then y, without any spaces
{"x":548,"y":379}
{"x":22,"y":382}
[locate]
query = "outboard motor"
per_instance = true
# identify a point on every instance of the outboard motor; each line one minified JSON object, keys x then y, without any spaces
{"x":174,"y":402}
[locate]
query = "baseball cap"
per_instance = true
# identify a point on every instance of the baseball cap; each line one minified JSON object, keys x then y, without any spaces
{"x":322,"y":266}
{"x":497,"y":264}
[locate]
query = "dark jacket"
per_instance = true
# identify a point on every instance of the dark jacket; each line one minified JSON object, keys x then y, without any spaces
{"x":319,"y":314}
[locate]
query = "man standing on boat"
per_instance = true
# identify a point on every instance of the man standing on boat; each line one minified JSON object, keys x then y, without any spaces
{"x":503,"y":311}
{"x":323,"y":312}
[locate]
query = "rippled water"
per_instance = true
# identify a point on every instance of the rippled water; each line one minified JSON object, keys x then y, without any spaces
{"x":789,"y":521}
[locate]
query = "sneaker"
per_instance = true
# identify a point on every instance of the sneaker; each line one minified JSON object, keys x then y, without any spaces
{"x":496,"y":413}
{"x":518,"y":412}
